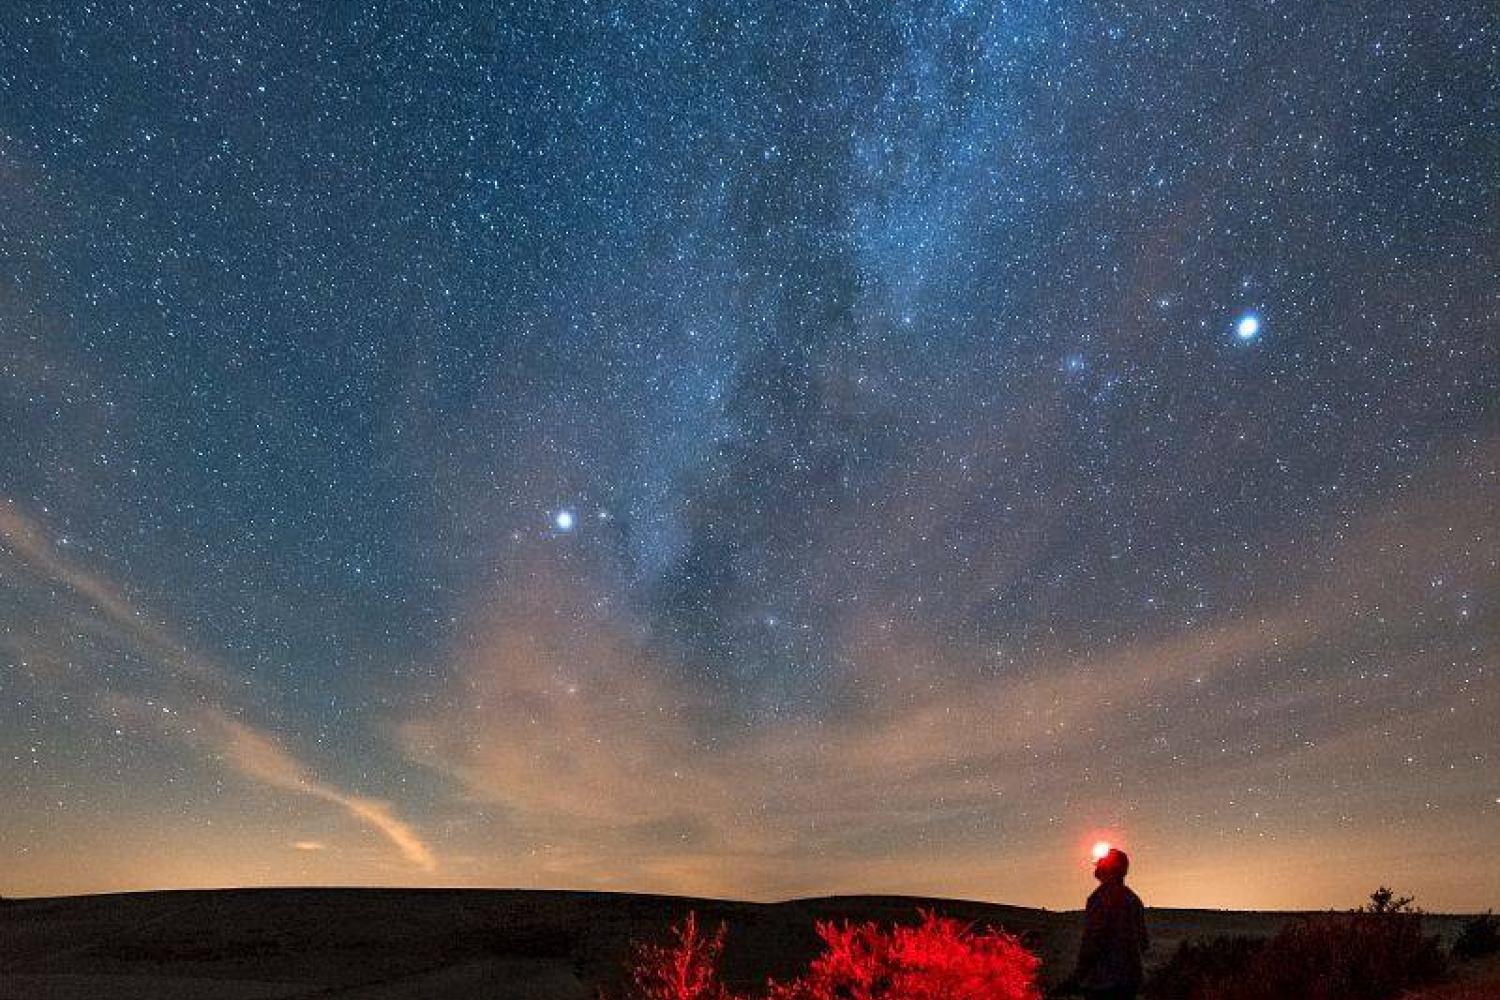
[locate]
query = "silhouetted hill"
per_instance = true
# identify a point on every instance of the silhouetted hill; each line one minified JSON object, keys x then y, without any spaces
{"x":433,"y":944}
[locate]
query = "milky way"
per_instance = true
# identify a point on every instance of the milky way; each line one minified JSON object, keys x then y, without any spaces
{"x":751,"y":449}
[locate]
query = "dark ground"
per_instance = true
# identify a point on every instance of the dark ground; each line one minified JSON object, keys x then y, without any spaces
{"x":378,"y":944}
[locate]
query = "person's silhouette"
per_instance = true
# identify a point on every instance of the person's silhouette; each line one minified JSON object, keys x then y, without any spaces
{"x":1114,"y":935}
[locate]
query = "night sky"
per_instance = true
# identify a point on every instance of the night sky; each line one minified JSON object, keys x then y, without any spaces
{"x":752,"y":448}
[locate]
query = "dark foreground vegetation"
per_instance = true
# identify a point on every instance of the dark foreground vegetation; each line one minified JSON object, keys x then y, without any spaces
{"x":1378,"y":952}
{"x":355,"y":944}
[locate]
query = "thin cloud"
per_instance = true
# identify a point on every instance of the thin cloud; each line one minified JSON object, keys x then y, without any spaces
{"x":252,"y":752}
{"x":592,"y":750}
{"x":258,"y":756}
{"x":28,"y":540}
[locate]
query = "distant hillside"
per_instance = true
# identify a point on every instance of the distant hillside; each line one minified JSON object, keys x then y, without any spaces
{"x":395,"y":944}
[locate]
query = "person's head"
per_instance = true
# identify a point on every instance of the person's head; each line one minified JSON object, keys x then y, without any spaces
{"x":1113,"y":865}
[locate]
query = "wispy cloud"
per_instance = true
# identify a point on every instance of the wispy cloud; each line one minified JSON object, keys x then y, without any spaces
{"x":207,"y":717}
{"x":258,"y":756}
{"x":600,"y":758}
{"x":605,"y":763}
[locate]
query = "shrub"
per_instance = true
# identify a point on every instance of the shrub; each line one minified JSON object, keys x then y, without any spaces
{"x":1366,"y":955}
{"x":1479,"y":936}
{"x":685,"y":967}
{"x":939,"y":959}
{"x":1200,"y":965}
{"x":1373,"y":953}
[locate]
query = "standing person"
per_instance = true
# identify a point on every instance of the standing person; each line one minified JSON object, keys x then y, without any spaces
{"x":1114,"y":935}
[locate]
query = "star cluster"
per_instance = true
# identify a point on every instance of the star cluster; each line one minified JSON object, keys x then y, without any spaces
{"x":751,"y":448}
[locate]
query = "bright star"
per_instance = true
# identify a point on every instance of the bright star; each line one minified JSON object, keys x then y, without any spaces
{"x":1248,"y":327}
{"x":564,"y":520}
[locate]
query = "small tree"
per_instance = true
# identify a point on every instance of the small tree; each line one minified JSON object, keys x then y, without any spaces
{"x":1385,"y":900}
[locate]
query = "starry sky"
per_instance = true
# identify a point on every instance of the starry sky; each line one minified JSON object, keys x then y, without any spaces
{"x":751,"y":449}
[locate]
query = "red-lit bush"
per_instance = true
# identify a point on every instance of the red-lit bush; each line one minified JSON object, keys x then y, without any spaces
{"x":939,"y":959}
{"x":685,"y":967}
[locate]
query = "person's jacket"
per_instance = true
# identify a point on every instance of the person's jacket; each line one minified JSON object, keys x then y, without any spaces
{"x":1114,"y":939}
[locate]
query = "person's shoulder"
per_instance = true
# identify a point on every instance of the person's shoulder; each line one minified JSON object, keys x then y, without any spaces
{"x":1107,"y":896}
{"x":1130,"y":895}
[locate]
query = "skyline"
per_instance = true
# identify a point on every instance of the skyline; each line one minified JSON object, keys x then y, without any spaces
{"x":752,"y":451}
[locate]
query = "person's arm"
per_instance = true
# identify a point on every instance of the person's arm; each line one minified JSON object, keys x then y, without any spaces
{"x":1094,"y":919}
